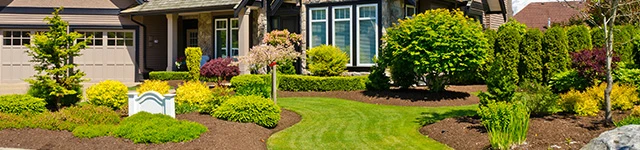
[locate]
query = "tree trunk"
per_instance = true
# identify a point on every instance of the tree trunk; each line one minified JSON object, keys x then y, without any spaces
{"x":274,"y":87}
{"x":608,"y":30}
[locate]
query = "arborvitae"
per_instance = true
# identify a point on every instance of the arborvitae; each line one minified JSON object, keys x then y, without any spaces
{"x":579,"y":38}
{"x":624,"y":44}
{"x":483,"y":70}
{"x":531,"y":65}
{"x":597,"y":37}
{"x":556,"y":58}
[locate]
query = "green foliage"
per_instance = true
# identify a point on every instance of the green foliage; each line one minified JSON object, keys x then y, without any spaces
{"x":252,"y":85}
{"x":109,"y":93}
{"x":623,"y":97}
{"x":259,"y":110}
{"x":483,"y":70}
{"x":91,"y":131}
{"x":501,"y":83}
{"x":51,"y":51}
{"x":538,"y":98}
{"x":627,"y":75}
{"x":624,"y":43}
{"x":627,"y":121}
{"x":313,"y":83}
{"x":576,"y":102}
{"x":220,"y":95}
{"x":66,"y":119}
{"x":286,"y":67}
{"x":144,"y":127}
{"x":597,"y":37}
{"x":378,"y":79}
{"x":161,"y":87}
{"x":13,"y":121}
{"x":555,"y":46}
{"x":19,"y":103}
{"x":193,"y":93}
{"x":530,"y":66}
{"x":327,"y":60}
{"x":194,"y":55}
{"x":401,"y":77}
{"x":439,"y":43}
{"x":184,"y":108}
{"x":506,"y":123}
{"x":176,"y":75}
{"x":40,"y":90}
{"x":579,"y":38}
{"x":564,"y":81}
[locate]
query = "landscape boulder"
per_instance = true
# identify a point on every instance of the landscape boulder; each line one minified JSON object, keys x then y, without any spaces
{"x":622,"y":138}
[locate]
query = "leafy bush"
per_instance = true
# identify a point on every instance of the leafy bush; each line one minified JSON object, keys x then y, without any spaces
{"x":91,"y":131}
{"x":168,"y":75}
{"x":145,"y":127}
{"x":592,"y":64}
{"x":623,"y":97}
{"x":623,"y":46}
{"x":14,"y":121}
{"x":109,"y":93}
{"x":161,"y":87}
{"x":427,"y":45}
{"x":501,"y":83}
{"x":627,"y":75}
{"x":506,"y":123}
{"x":490,"y":54}
{"x":378,"y":79}
{"x":579,"y":38}
{"x":252,"y":85}
{"x":71,"y":117}
{"x":555,"y":46}
{"x":286,"y":67}
{"x":567,"y":80}
{"x":627,"y":121}
{"x":193,"y":93}
{"x":220,"y":95}
{"x":635,"y":111}
{"x":327,"y":60}
{"x":41,"y":90}
{"x":597,"y":37}
{"x":259,"y":110}
{"x":313,"y":83}
{"x":194,"y":55}
{"x":220,"y":68}
{"x":530,"y":66}
{"x":538,"y":98}
{"x":576,"y":102}
{"x":19,"y":103}
{"x":401,"y":77}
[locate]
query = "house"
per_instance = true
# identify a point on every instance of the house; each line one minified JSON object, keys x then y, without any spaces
{"x":136,"y":36}
{"x":541,"y":15}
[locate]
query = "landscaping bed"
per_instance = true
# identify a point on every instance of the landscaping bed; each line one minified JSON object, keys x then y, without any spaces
{"x":221,"y":135}
{"x":563,"y":130}
{"x":456,"y":95}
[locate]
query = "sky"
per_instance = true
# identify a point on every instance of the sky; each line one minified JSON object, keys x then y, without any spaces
{"x":520,"y":4}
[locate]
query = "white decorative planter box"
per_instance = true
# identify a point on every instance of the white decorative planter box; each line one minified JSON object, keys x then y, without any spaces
{"x":152,"y":102}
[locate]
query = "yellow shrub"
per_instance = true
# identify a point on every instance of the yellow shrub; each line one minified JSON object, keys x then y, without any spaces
{"x":635,"y":111}
{"x":579,"y":103}
{"x":623,"y":97}
{"x":193,"y":92}
{"x":161,"y":87}
{"x":108,"y":93}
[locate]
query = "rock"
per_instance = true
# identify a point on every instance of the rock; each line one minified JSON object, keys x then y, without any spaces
{"x":622,"y":138}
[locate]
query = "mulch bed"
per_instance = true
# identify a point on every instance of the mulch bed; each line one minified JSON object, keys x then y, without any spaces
{"x":221,"y":135}
{"x":561,"y":131}
{"x":456,"y":95}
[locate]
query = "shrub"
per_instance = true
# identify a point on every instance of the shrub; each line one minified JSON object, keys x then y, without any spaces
{"x":41,"y":90}
{"x":220,"y":68}
{"x":506,"y":123}
{"x":168,"y":75}
{"x":12,"y":121}
{"x":252,"y":85}
{"x":501,"y":83}
{"x":145,"y":127}
{"x":378,"y":79}
{"x":530,"y":66}
{"x":538,"y":98}
{"x":286,"y":67}
{"x":194,"y":55}
{"x":192,"y":93}
{"x":597,"y":37}
{"x":259,"y":110}
{"x":491,"y":40}
{"x":91,"y":131}
{"x":401,"y":77}
{"x":313,"y":83}
{"x":555,"y":48}
{"x":623,"y":97}
{"x":635,"y":111}
{"x":161,"y":87}
{"x":627,"y":75}
{"x":627,"y":121}
{"x":18,"y":104}
{"x":623,"y":46}
{"x":220,"y":95}
{"x":579,"y":38}
{"x":327,"y":60}
{"x":429,"y":44}
{"x":71,"y":117}
{"x":109,"y":93}
{"x":567,"y":80}
{"x":591,"y":64}
{"x":576,"y":102}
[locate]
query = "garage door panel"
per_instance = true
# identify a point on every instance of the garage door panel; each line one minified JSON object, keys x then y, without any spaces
{"x":108,"y":58}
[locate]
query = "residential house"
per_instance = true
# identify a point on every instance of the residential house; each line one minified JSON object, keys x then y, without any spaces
{"x":541,"y":15}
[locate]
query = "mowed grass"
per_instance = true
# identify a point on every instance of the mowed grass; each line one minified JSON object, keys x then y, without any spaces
{"x":329,"y":123}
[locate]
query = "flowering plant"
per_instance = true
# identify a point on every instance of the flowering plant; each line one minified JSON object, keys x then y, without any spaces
{"x":179,"y":62}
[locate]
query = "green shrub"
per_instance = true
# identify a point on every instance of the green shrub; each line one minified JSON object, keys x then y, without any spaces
{"x":43,"y":91}
{"x":71,"y":117}
{"x":501,"y":83}
{"x":91,"y":131}
{"x":192,"y":93}
{"x":530,"y":66}
{"x":252,"y":85}
{"x":624,"y":45}
{"x":220,"y":95}
{"x":491,"y":40}
{"x":176,"y":75}
{"x":438,"y":43}
{"x":313,"y":83}
{"x":627,"y":121}
{"x":144,"y":127}
{"x":161,"y":87}
{"x":579,"y":38}
{"x":555,"y":46}
{"x":286,"y":67}
{"x":401,"y":77}
{"x":378,"y":79}
{"x":623,"y":97}
{"x":327,"y":60}
{"x":564,"y":81}
{"x":259,"y":110}
{"x":506,"y":123}
{"x":597,"y":37}
{"x":184,"y":108}
{"x":538,"y":98}
{"x":19,"y":103}
{"x":109,"y":93}
{"x":13,"y":121}
{"x":627,"y":75}
{"x":194,"y":55}
{"x":576,"y":102}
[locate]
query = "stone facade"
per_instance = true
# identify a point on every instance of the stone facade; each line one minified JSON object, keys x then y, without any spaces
{"x":258,"y":25}
{"x":394,"y":11}
{"x":205,"y":33}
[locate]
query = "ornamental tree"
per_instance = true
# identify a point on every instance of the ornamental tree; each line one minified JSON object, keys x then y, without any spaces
{"x":285,"y":39}
{"x":52,"y":52}
{"x":434,"y":46}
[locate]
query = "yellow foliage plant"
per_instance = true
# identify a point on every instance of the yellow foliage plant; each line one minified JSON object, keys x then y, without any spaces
{"x":109,"y":93}
{"x":623,"y":97}
{"x":576,"y":102}
{"x":161,"y":87}
{"x":193,"y":93}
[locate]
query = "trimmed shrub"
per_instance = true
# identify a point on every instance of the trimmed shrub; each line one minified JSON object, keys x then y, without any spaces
{"x":109,"y":93}
{"x":252,"y":85}
{"x":220,"y":95}
{"x":576,"y":102}
{"x":592,"y":64}
{"x":501,"y":83}
{"x":555,"y":48}
{"x":312,"y":83}
{"x":41,"y":90}
{"x":506,"y":123}
{"x":168,"y":75}
{"x":327,"y":60}
{"x":567,"y":80}
{"x":220,"y":69}
{"x":427,"y":45}
{"x":538,"y":98}
{"x":194,"y":56}
{"x":161,"y":87}
{"x":530,"y":66}
{"x":259,"y":110}
{"x":145,"y":127}
{"x":623,"y":97}
{"x":597,"y":37}
{"x":19,"y":103}
{"x":490,"y":54}
{"x":193,"y":93}
{"x":579,"y":38}
{"x":91,"y":131}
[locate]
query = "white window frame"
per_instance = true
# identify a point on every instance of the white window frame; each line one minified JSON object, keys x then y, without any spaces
{"x":216,"y":29}
{"x":230,"y":25}
{"x":358,"y":33}
{"x":106,"y":38}
{"x":333,"y":24}
{"x":11,"y":37}
{"x":406,"y":11}
{"x":326,"y":19}
{"x":189,"y":31}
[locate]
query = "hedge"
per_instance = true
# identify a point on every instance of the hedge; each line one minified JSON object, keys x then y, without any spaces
{"x":18,"y":103}
{"x":175,"y":75}
{"x":306,"y":83}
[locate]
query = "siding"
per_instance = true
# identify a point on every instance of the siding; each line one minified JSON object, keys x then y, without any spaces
{"x":37,"y":19}
{"x":156,"y":53}
{"x":103,"y":4}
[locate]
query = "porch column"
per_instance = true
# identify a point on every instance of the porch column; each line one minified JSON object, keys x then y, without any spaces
{"x":172,"y":40}
{"x":243,"y":38}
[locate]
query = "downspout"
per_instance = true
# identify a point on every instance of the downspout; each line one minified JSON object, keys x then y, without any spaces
{"x":144,"y":45}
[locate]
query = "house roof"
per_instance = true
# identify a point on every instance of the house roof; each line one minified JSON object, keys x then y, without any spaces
{"x":176,"y":6}
{"x":11,"y":19}
{"x":91,"y":4}
{"x":537,"y":15}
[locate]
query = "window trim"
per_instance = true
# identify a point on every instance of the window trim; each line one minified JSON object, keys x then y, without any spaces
{"x":333,"y":32}
{"x":21,"y":38}
{"x":358,"y":63}
{"x":189,"y":31}
{"x":215,"y":35}
{"x":406,"y":11}
{"x":230,"y":43}
{"x":311,"y":21}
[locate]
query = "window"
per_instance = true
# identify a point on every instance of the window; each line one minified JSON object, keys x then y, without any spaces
{"x":234,"y":37}
{"x":16,"y":38}
{"x":192,"y":38}
{"x":409,"y":11}
{"x":367,"y":34}
{"x":225,"y":41}
{"x":221,"y":37}
{"x":319,"y":27}
{"x":96,"y":39}
{"x":342,"y":29}
{"x":119,"y":38}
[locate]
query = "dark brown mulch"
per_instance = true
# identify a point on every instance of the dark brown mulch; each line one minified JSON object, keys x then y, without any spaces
{"x":221,"y":135}
{"x":565,"y":131}
{"x":456,"y":95}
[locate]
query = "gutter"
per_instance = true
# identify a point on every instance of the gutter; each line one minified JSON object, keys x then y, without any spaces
{"x":144,"y":45}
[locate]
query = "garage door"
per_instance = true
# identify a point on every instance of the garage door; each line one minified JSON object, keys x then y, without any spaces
{"x":14,"y":62}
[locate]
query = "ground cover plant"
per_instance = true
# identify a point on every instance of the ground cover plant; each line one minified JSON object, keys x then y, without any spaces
{"x":256,"y":109}
{"x":144,"y":127}
{"x":19,"y":103}
{"x":65,"y":119}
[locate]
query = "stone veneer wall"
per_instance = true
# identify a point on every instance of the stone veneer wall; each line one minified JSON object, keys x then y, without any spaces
{"x":258,"y":25}
{"x":392,"y":10}
{"x":205,"y":33}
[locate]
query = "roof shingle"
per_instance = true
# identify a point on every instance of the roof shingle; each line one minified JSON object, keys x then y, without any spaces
{"x":537,"y":15}
{"x":171,"y":6}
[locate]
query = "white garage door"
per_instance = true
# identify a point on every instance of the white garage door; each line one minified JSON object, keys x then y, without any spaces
{"x":14,"y":62}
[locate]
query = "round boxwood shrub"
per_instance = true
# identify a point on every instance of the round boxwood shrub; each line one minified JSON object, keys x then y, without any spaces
{"x":256,"y":109}
{"x":109,"y":93}
{"x":440,"y":44}
{"x":193,"y":93}
{"x":145,"y":127}
{"x":327,"y":60}
{"x":161,"y":87}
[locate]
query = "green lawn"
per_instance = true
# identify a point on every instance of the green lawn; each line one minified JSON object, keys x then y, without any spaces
{"x":329,"y":123}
